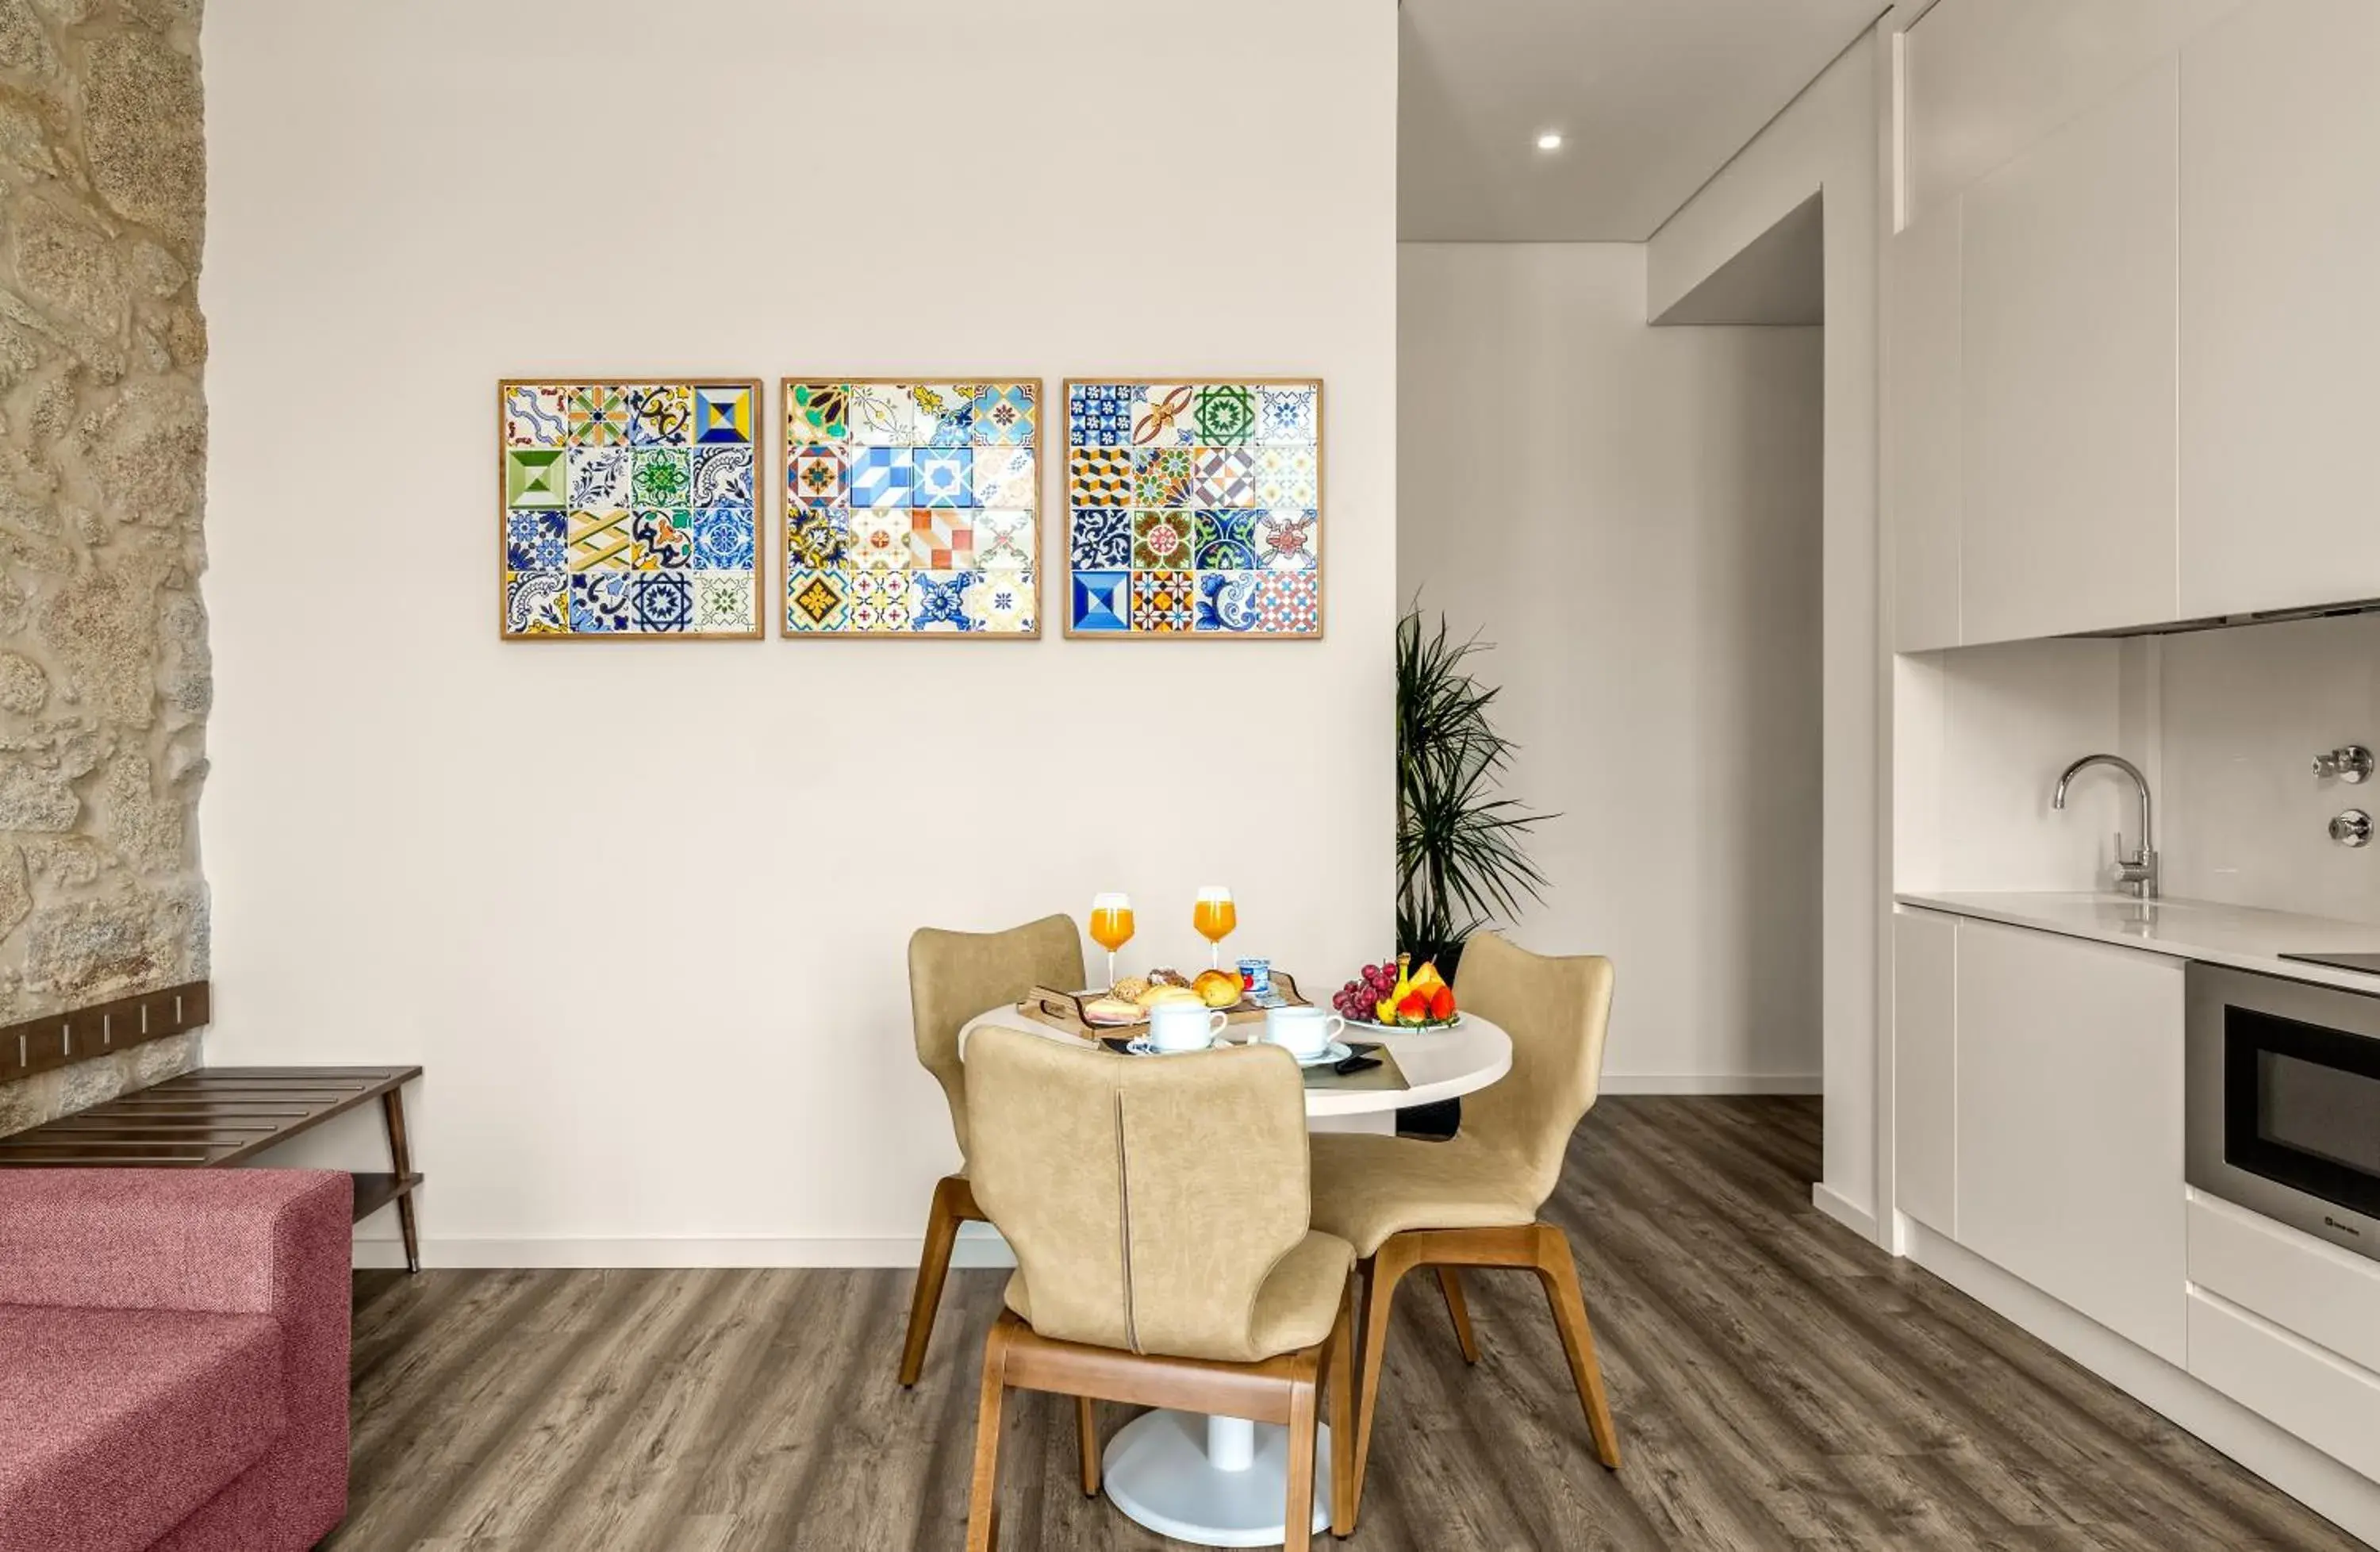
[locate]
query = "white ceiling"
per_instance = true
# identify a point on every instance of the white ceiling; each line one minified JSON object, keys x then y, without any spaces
{"x":1651,"y":98}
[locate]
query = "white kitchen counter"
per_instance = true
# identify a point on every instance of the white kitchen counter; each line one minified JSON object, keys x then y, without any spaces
{"x":2238,"y":936}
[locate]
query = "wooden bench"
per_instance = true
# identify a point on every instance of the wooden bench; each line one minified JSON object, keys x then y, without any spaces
{"x":217,"y":1116}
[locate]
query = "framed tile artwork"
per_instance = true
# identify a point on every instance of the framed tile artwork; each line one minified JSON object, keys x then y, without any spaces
{"x":628,"y":508}
{"x":913,"y":508}
{"x":1194,"y":508}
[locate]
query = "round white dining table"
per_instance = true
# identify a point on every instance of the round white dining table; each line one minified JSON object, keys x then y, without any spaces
{"x":1221,"y":1481}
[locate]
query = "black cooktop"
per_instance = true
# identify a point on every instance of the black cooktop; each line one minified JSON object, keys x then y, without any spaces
{"x":2367,"y":962}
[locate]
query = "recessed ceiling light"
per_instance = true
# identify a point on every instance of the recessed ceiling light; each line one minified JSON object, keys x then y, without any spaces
{"x":1549,"y":140}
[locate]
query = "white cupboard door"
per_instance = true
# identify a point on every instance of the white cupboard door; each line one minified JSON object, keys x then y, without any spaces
{"x":2067,"y":348}
{"x":1921,"y":428}
{"x":2070,"y":1125}
{"x":2280,"y":312}
{"x":1924,"y":1068}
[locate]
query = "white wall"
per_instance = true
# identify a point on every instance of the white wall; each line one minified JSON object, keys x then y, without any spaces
{"x":1639,"y":538}
{"x":642,"y":909}
{"x":2241,"y":713}
{"x":1980,"y":736}
{"x":1826,"y":142}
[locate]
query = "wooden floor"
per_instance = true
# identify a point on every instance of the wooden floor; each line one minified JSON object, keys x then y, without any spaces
{"x":1779,"y":1384}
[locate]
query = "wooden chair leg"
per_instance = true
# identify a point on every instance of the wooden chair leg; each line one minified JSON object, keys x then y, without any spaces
{"x":1559,"y":1272}
{"x":1458,"y":1309}
{"x":1087,"y":1439}
{"x":1389,"y":1266}
{"x":1339,"y":1384}
{"x":983,"y":1500}
{"x":933,"y":1266}
{"x":1298,"y":1521}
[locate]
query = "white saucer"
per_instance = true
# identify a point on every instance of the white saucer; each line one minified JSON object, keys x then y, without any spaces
{"x":1336,"y":1051}
{"x":1141,"y":1047}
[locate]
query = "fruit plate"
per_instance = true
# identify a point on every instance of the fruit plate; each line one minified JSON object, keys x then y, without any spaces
{"x":1422,"y":1028}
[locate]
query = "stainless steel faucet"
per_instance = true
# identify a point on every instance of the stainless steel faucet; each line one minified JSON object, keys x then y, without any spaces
{"x":2137,"y":874}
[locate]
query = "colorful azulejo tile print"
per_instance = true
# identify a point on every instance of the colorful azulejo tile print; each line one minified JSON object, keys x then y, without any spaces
{"x":1226,"y":600}
{"x":1194,"y":507}
{"x":664,"y":600}
{"x":536,"y":538}
{"x":720,"y":475}
{"x":1224,"y":540}
{"x":1160,"y":541}
{"x":537,"y":603}
{"x":913,"y":507}
{"x":1284,"y":539}
{"x":879,"y":602}
{"x":1101,"y":601}
{"x":1004,"y":539}
{"x":1162,"y":600}
{"x":1160,"y":477}
{"x":662,"y":540}
{"x":1100,"y":540}
{"x":1287,"y":604}
{"x":630,"y":508}
{"x":816,"y":536}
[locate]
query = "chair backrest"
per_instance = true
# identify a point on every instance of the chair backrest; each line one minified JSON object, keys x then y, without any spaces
{"x":1556,"y":1010}
{"x":954,"y":976}
{"x":1146,"y":1200}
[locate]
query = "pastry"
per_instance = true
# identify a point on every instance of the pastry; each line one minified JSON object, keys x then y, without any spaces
{"x":1216,"y":989}
{"x":1130,"y":987}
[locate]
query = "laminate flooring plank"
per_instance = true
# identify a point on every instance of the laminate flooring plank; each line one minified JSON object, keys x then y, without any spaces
{"x":1780,"y":1386}
{"x":465,"y":1415}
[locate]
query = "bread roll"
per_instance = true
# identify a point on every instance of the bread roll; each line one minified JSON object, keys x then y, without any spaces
{"x":1216,"y":989}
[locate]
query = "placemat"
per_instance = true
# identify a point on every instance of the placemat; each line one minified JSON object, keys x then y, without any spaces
{"x":1386,"y":1078}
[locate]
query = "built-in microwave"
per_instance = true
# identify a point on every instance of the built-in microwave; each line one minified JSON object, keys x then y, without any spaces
{"x":2282,"y":1086}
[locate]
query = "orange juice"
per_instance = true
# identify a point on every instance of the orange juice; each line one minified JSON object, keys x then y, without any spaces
{"x":1214,"y":916}
{"x":1110,"y":922}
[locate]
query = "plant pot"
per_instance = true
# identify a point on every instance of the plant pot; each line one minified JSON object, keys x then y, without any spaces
{"x":1442,"y":1119}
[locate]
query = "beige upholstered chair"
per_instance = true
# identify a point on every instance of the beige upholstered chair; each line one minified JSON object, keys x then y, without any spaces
{"x":1158,"y":1210}
{"x":953,"y":976}
{"x":1473,"y":1201}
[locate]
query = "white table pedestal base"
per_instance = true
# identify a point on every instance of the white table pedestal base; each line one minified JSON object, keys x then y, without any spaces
{"x":1211,"y":1480}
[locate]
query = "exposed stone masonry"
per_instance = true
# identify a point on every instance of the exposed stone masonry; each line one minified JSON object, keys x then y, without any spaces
{"x":103,"y":670}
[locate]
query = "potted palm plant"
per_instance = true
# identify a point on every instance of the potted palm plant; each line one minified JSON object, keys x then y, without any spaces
{"x":1460,"y":862}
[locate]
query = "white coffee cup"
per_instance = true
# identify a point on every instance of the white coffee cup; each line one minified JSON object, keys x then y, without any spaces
{"x":1183,"y":1027}
{"x":1302,"y":1031}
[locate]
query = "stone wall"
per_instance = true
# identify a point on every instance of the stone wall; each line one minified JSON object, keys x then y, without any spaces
{"x":103,"y":671}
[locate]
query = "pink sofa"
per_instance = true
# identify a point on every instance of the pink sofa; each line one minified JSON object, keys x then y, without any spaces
{"x":173,"y":1359}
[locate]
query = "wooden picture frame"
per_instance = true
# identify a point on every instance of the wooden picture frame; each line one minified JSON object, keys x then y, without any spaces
{"x":535,"y":419}
{"x":825,"y":591}
{"x":1286,"y":591}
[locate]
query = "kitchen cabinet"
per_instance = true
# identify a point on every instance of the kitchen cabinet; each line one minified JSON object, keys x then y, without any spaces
{"x":1920,"y":433}
{"x":2068,"y":376}
{"x":2069,"y":1125}
{"x":1925,"y":1067}
{"x":2307,"y":1390}
{"x":2281,"y":228}
{"x":2318,"y":1291}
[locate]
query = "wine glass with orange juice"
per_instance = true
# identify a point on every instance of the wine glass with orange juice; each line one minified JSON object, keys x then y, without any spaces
{"x":1214,"y":916}
{"x":1111,"y":926}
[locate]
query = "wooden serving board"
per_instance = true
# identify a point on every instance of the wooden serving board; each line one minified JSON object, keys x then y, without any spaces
{"x":1063,"y":1010}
